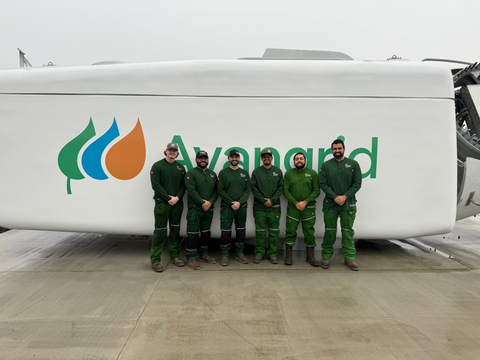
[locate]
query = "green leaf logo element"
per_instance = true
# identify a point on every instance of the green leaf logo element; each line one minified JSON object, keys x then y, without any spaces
{"x":68,"y":156}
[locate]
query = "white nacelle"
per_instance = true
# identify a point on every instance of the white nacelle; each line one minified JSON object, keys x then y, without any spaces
{"x":397,"y":120}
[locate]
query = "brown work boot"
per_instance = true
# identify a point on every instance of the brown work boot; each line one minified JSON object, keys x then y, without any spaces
{"x":257,"y":259}
{"x":224,"y":261}
{"x":193,"y":264}
{"x":241,"y":259}
{"x":208,"y":259}
{"x":310,"y":258}
{"x":352,"y":265}
{"x":177,"y":262}
{"x":157,"y":267}
{"x":325,"y":263}
{"x":273,"y":260}
{"x":288,"y":254}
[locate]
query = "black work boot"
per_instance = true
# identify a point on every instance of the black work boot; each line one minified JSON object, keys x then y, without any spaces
{"x":288,"y":254}
{"x":310,"y":258}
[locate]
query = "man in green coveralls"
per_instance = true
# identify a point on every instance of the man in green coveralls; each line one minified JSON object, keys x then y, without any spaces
{"x":234,"y":189}
{"x":168,"y":182}
{"x":201,"y":184}
{"x":267,"y":186}
{"x":301,"y":188}
{"x":340,"y":179}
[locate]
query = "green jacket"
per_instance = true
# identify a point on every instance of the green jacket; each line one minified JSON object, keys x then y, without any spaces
{"x":267,"y":184}
{"x":233,"y":185}
{"x":301,"y":186}
{"x":167,"y":179}
{"x":201,"y":184}
{"x":340,"y":178}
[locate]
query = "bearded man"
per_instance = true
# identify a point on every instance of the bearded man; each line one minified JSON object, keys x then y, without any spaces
{"x":301,"y":188}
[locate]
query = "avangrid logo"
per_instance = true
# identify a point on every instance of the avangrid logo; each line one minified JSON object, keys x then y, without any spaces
{"x":124,"y":160}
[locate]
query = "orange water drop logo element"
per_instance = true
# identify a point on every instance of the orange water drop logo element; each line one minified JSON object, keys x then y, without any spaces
{"x":126,"y":158}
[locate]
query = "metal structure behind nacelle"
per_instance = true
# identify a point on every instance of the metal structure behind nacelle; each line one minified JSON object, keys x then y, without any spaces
{"x":467,"y":104}
{"x":22,"y":59}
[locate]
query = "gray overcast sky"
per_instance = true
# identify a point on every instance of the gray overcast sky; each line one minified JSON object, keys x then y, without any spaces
{"x":71,"y":33}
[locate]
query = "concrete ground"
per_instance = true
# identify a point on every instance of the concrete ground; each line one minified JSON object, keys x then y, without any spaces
{"x":91,"y":296}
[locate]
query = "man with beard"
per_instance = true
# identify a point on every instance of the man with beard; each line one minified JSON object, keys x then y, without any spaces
{"x":267,"y":187}
{"x":340,"y":179}
{"x":168,"y":182}
{"x":234,"y":190}
{"x":301,"y":188}
{"x":201,"y":184}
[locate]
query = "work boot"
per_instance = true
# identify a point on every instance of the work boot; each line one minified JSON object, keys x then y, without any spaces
{"x":193,"y":264}
{"x":177,"y":262}
{"x":224,"y":261}
{"x":310,"y":258}
{"x":352,"y":265}
{"x":257,"y":259}
{"x":157,"y":267}
{"x":325,"y":263}
{"x":208,"y":259}
{"x":241,"y":259}
{"x":288,"y":254}
{"x":273,"y":259}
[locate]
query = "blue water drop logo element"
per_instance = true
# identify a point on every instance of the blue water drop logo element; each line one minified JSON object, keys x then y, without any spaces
{"x":92,"y":156}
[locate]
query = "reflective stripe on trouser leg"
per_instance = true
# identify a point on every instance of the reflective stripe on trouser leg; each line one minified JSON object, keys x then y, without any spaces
{"x":174,"y":219}
{"x":239,"y":241}
{"x":225,"y":242}
{"x":308,"y":222}
{"x":292,"y":221}
{"x":347,"y":218}
{"x":204,"y":240}
{"x":160,"y":233}
{"x":330,"y":218}
{"x":260,"y":232}
{"x":192,"y":245}
{"x":273,"y":233}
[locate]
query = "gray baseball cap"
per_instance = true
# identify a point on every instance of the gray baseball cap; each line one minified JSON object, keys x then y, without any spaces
{"x":172,"y":146}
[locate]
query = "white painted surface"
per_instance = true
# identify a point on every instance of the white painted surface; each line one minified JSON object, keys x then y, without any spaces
{"x":408,"y":107}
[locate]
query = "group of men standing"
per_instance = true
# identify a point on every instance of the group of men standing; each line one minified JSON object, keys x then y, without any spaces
{"x":339,"y":178}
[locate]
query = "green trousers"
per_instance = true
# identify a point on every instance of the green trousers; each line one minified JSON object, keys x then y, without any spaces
{"x":264,"y":220}
{"x":307,"y":218}
{"x":330,"y":217}
{"x":198,"y":228}
{"x":164,"y":214}
{"x":227,"y":216}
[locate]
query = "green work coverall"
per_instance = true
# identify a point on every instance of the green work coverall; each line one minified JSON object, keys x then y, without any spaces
{"x":267,"y":184}
{"x":233,"y":185}
{"x":167,"y":179}
{"x":339,"y":178}
{"x":301,"y":186}
{"x":201,"y":185}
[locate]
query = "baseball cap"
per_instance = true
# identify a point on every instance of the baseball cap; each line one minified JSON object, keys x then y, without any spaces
{"x":172,"y":146}
{"x":266,"y":152}
{"x":233,"y":152}
{"x":202,"y":153}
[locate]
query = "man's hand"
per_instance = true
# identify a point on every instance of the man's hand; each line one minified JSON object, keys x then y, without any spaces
{"x":301,"y":205}
{"x":235,"y":205}
{"x":268,"y":203}
{"x":206,"y":205}
{"x":340,"y":199}
{"x":173,"y":200}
